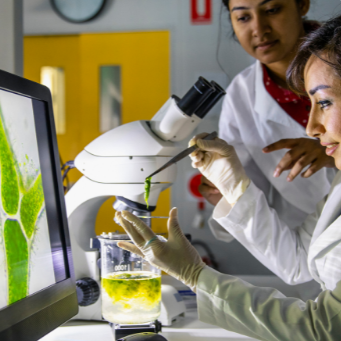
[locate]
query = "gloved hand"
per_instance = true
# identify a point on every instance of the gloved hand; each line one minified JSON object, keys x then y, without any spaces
{"x":219,"y":163}
{"x":177,"y":257}
{"x":209,"y":191}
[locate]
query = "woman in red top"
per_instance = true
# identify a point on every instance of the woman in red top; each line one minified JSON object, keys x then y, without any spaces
{"x":270,"y":31}
{"x":262,"y":118}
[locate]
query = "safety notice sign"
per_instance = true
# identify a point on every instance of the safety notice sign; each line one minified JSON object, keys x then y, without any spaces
{"x":201,"y":12}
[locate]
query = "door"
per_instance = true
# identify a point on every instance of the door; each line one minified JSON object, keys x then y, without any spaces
{"x":143,"y":61}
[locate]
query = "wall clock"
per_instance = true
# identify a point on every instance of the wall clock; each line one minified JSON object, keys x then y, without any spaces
{"x":78,"y":11}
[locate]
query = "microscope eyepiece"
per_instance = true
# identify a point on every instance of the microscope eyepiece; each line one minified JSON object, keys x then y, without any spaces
{"x":176,"y":98}
{"x":211,"y":100}
{"x":196,"y":95}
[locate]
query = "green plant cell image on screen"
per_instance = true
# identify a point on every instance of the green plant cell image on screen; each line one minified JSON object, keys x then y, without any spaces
{"x":25,"y":250}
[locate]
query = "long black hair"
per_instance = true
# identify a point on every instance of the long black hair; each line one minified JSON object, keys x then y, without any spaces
{"x":227,"y":2}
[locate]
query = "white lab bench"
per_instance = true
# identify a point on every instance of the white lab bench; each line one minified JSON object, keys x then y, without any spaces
{"x":186,"y":328}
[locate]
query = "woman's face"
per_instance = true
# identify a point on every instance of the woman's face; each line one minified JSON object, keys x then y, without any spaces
{"x":268,"y":29}
{"x":324,"y":89}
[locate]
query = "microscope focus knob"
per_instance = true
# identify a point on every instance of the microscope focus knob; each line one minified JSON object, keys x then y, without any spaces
{"x":87,"y":291}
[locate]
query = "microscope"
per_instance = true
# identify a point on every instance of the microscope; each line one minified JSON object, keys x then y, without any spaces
{"x":116,"y":164}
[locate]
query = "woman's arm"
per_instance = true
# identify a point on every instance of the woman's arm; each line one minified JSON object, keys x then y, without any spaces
{"x":265,"y":313}
{"x":257,"y":226}
{"x":229,"y":302}
{"x":244,"y":212}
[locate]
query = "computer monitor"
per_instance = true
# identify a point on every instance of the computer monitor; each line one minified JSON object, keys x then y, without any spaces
{"x":37,"y":287}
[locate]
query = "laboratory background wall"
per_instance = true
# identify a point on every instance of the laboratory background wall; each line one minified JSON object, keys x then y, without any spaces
{"x":195,"y":50}
{"x":11,"y":22}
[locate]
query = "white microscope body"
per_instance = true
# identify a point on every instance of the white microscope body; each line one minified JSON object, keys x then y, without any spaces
{"x":116,"y":164}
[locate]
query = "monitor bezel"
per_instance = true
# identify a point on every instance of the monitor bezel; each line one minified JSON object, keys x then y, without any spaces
{"x":36,"y":315}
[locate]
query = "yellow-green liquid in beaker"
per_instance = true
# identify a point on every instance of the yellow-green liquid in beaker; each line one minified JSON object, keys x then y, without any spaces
{"x":131,"y":297}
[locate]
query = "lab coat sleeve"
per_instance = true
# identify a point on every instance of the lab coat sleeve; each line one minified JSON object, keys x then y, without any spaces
{"x":229,"y":131}
{"x":257,"y":227}
{"x":219,"y":232}
{"x":265,"y":313}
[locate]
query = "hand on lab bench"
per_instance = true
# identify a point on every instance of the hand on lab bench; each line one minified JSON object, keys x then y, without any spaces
{"x":303,"y":152}
{"x":219,"y":163}
{"x":210,"y":192}
{"x":177,"y":257}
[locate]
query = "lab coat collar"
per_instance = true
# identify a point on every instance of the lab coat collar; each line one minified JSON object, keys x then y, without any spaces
{"x":267,"y":107}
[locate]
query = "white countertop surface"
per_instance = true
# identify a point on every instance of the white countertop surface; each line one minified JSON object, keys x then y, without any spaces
{"x":188,"y":328}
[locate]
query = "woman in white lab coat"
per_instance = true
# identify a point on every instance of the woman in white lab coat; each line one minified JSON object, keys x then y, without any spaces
{"x":258,"y":110}
{"x":312,"y":250}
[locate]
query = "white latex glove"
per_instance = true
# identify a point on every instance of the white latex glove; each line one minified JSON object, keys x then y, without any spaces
{"x":219,"y":163}
{"x":177,"y":257}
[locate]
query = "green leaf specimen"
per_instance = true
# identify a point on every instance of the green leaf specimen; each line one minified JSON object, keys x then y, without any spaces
{"x":30,"y":206}
{"x":17,"y":261}
{"x":9,"y":177}
{"x":17,"y":245}
{"x":147,"y":184}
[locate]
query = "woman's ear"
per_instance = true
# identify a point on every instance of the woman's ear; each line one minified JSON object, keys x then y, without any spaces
{"x":304,"y":6}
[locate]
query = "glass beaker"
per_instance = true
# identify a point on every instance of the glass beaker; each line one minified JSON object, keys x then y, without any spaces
{"x":130,"y":286}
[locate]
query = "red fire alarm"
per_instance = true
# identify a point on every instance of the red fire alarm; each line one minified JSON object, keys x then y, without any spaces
{"x":201,"y":12}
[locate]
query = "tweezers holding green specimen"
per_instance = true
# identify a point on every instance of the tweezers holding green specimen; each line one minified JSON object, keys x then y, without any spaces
{"x":147,"y":184}
{"x":180,"y":156}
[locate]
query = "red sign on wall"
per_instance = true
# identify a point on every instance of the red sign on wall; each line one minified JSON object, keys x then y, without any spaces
{"x":201,"y":12}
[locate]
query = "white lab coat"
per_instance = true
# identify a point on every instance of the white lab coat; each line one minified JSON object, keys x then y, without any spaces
{"x":265,"y":313}
{"x":313,"y":250}
{"x":250,"y":120}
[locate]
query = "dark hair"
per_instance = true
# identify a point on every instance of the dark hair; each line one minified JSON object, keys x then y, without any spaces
{"x":226,"y":3}
{"x":324,"y":43}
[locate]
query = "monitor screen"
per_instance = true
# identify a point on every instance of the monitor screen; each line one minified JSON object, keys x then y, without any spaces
{"x":36,"y":273}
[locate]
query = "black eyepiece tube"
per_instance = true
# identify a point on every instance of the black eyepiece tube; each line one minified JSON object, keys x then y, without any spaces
{"x":196,"y":95}
{"x":211,"y":100}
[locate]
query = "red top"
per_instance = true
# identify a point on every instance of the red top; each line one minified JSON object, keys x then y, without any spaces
{"x":296,"y":107}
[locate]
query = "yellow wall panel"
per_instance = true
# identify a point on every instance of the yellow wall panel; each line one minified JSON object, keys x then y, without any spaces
{"x":144,"y":58}
{"x":59,"y":51}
